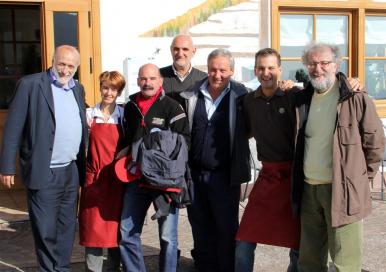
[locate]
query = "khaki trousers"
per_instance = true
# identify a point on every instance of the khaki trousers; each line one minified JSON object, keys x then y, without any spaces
{"x":318,"y":237}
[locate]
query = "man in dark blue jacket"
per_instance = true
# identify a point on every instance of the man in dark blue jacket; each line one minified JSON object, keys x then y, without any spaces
{"x":219,"y":160}
{"x":46,"y":124}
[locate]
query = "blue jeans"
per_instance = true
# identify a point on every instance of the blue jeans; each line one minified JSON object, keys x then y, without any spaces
{"x":245,"y":257}
{"x":135,"y":205}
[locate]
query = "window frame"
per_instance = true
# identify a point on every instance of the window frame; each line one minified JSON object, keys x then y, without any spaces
{"x":358,"y":11}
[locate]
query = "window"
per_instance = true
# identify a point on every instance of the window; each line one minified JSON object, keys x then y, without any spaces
{"x":66,"y":28}
{"x":20,"y":47}
{"x":375,"y":56}
{"x":297,"y":30}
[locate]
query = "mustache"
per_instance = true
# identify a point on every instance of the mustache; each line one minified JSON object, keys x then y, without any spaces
{"x":147,"y":87}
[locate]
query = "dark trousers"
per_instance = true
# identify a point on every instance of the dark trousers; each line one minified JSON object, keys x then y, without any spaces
{"x":52,"y":212}
{"x":213,"y":217}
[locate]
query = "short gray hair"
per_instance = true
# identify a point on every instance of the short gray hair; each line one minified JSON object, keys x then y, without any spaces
{"x":220,"y":52}
{"x":319,"y":46}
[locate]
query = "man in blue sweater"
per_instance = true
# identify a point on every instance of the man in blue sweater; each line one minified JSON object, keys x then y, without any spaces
{"x":46,"y":124}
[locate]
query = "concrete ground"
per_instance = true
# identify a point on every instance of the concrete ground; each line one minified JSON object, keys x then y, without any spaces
{"x":17,"y":253}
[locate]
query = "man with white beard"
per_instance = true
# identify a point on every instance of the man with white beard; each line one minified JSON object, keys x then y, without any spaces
{"x":339,"y":147}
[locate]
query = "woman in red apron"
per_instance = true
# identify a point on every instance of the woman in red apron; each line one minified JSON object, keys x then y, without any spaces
{"x":102,"y":194}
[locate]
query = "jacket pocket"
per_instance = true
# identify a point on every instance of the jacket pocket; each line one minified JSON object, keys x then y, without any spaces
{"x":371,"y":137}
{"x":353,"y":202}
{"x":348,"y":133}
{"x":355,"y":191}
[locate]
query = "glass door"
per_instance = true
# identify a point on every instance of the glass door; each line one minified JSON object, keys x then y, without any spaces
{"x":71,"y":24}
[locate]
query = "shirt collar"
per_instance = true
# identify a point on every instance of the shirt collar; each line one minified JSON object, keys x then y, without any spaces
{"x":204,"y":88}
{"x":98,"y":113}
{"x":179,"y":76}
{"x":259,"y":93}
{"x":56,"y":83}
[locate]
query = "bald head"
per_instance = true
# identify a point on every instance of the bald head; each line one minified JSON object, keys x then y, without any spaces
{"x":148,"y":67}
{"x":182,"y":51}
{"x":182,"y":38}
{"x":149,"y":79}
{"x":66,"y":49}
{"x":65,"y":63}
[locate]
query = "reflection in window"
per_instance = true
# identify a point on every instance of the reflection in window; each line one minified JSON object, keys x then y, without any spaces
{"x":5,"y":25}
{"x":289,"y":69}
{"x":333,"y":29}
{"x":344,"y":67}
{"x":295,"y":33}
{"x":27,"y":19}
{"x":376,"y":78}
{"x":66,"y":28}
{"x":20,"y":47}
{"x":375,"y":36}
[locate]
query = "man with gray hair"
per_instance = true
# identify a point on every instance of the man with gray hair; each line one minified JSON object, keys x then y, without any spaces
{"x":339,"y":147}
{"x":46,"y":123}
{"x":219,"y":160}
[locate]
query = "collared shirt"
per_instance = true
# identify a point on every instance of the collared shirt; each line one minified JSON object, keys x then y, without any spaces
{"x":270,"y":120}
{"x":210,"y":104}
{"x":56,"y":83}
{"x":115,"y":118}
{"x":182,"y":78}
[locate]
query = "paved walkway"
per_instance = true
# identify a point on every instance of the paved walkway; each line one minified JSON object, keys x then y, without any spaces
{"x":17,"y":254}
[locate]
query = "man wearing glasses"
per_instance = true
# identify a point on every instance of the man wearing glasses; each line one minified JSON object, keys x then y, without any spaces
{"x":339,"y":146}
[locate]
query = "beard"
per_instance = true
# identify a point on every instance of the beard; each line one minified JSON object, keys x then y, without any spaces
{"x":181,"y":63}
{"x":322,"y":85}
{"x":62,"y":79}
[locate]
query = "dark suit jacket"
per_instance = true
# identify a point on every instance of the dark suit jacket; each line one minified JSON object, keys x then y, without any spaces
{"x":30,"y":128}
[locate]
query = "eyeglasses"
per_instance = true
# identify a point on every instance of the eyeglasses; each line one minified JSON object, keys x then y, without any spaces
{"x":323,"y":64}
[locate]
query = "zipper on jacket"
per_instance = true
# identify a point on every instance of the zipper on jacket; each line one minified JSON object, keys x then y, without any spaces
{"x":140,"y":112}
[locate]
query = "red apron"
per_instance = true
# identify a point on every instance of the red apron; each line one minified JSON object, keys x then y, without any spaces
{"x":102,"y":195}
{"x":268,"y":218}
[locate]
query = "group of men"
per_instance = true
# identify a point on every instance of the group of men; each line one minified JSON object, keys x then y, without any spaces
{"x":319,"y":147}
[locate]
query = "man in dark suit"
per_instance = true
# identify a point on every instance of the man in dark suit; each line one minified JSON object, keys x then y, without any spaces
{"x":46,"y":124}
